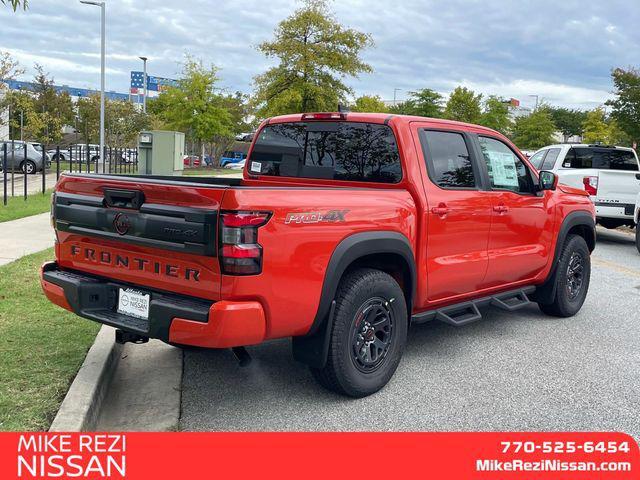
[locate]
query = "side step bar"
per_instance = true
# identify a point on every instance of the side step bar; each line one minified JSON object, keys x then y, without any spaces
{"x":467,"y":312}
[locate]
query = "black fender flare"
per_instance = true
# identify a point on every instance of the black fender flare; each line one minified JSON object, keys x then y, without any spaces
{"x":546,"y":292}
{"x":312,"y":348}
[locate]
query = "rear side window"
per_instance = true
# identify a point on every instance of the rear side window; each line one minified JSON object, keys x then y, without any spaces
{"x":550,"y":159}
{"x":601,"y":158}
{"x":362,"y":152}
{"x":448,"y":162}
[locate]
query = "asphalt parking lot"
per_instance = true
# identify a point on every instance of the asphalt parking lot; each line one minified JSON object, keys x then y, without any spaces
{"x":521,"y":371}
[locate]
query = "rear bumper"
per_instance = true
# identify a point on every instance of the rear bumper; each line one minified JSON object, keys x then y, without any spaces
{"x":618,"y":210}
{"x":172,"y":318}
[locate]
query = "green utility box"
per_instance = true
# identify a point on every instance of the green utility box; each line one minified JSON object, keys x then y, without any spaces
{"x":160,"y":153}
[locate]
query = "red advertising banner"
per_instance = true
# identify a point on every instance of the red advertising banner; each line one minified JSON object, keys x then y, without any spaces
{"x":318,"y":455}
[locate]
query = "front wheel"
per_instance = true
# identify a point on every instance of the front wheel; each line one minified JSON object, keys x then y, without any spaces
{"x":29,"y":167}
{"x":571,"y":279}
{"x":368,"y":335}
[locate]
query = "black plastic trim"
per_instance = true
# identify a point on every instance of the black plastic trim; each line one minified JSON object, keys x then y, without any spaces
{"x":95,"y":298}
{"x":345,"y":254}
{"x":167,"y":227}
{"x":546,"y":292}
{"x":462,"y":313}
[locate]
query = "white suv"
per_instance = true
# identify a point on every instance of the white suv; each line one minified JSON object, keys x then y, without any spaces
{"x":611,"y":175}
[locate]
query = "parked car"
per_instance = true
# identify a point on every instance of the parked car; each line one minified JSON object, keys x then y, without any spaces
{"x":345,"y":228}
{"x":191,"y":161}
{"x":237,"y":166}
{"x":33,"y":162}
{"x":245,"y":137}
{"x":609,"y":174}
{"x":75,"y":152}
{"x":230,"y":157}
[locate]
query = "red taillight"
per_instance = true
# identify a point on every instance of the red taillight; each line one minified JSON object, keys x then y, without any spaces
{"x":240,"y":252}
{"x":324,"y":116}
{"x":591,"y":185}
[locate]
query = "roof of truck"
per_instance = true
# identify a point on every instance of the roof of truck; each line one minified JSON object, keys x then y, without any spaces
{"x":374,"y":118}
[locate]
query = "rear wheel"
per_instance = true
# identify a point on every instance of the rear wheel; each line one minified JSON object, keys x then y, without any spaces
{"x":571,"y":279}
{"x":368,"y":334}
{"x":29,"y":167}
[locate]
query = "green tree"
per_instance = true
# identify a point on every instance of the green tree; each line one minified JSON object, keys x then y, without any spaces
{"x":496,"y":115}
{"x":193,"y":106}
{"x":55,"y":108}
{"x":315,"y":53}
{"x":88,"y":118}
{"x":617,"y":136}
{"x":16,"y":3}
{"x":123,"y":123}
{"x":626,"y":104}
{"x":369,"y":103}
{"x":423,"y":103}
{"x":24,"y":121}
{"x":568,"y":121}
{"x":534,"y":131}
{"x":595,"y":128}
{"x":9,"y":70}
{"x":464,"y":106}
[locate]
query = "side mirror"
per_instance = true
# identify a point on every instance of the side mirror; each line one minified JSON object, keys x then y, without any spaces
{"x":547,"y":180}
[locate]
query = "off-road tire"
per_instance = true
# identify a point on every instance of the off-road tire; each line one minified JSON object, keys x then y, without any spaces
{"x":363,"y":288}
{"x":565,"y":302}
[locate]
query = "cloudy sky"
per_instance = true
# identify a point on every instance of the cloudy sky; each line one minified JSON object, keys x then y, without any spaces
{"x":562,"y":50}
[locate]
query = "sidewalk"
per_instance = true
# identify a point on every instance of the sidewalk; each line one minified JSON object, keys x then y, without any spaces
{"x":24,"y":236}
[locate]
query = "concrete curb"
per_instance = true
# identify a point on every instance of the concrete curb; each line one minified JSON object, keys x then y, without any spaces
{"x":81,"y":406}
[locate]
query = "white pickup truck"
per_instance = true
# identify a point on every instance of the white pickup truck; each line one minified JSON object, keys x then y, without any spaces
{"x":611,"y":175}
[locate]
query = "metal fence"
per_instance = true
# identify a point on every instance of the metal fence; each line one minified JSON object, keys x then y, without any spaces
{"x":27,"y":170}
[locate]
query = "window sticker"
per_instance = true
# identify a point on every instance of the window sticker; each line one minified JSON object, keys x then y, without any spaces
{"x":256,"y":167}
{"x":503,"y":169}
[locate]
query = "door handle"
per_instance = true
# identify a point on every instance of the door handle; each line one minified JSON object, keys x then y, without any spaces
{"x":500,"y":209}
{"x":441,"y":210}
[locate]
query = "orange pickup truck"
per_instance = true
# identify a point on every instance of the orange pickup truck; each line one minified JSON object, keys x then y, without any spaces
{"x":344,"y":229}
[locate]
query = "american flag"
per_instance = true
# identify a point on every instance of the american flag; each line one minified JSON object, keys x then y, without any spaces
{"x":137,"y":82}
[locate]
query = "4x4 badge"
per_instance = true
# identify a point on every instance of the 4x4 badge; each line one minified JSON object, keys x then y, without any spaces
{"x":316,"y":217}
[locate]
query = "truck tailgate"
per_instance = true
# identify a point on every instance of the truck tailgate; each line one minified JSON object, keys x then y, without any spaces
{"x":617,"y":188}
{"x":160,"y":234}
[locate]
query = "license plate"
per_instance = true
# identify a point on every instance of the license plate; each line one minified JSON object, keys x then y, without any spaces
{"x":133,"y":303}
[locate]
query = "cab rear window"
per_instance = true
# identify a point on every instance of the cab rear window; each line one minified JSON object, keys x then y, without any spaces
{"x":601,"y":158}
{"x":361,"y":152}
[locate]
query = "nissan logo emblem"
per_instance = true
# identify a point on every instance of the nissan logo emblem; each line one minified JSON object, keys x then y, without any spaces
{"x":121,"y":223}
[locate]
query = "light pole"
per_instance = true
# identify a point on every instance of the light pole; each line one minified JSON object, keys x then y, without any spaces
{"x":536,"y":107}
{"x":394,"y":95}
{"x":102,"y":68}
{"x":144,"y":80}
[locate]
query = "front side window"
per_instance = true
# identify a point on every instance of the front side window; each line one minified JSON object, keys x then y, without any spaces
{"x":363,"y":152}
{"x":506,"y":170}
{"x":448,"y":162}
